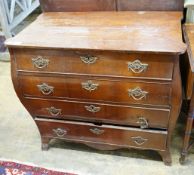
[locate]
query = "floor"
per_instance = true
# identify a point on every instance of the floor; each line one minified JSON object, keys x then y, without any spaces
{"x":20,"y":140}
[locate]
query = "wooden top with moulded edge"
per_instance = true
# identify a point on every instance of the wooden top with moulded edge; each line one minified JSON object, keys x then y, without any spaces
{"x":114,"y":31}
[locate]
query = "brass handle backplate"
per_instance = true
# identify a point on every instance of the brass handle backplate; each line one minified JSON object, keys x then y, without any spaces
{"x":92,"y":108}
{"x":54,"y":111}
{"x":88,"y":59}
{"x":137,"y":67}
{"x":45,"y":89}
{"x":137,"y":93}
{"x":139,"y":140}
{"x":97,"y":131}
{"x":143,"y":122}
{"x":60,"y":132}
{"x":89,"y":86}
{"x":40,"y":62}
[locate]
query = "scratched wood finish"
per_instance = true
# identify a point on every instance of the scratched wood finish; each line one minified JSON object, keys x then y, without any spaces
{"x":111,"y":5}
{"x":107,"y":63}
{"x":154,"y":36}
{"x":108,"y":113}
{"x":106,"y":90}
{"x":120,"y":136}
{"x":121,"y":31}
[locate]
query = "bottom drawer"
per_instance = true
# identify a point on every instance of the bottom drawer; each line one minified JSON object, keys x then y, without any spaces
{"x":105,"y":134}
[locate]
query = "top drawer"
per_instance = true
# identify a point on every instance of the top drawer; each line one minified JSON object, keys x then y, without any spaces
{"x":101,"y":63}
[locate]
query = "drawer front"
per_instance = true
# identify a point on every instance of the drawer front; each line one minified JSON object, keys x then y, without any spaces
{"x":117,"y":114}
{"x":96,"y":90}
{"x":151,"y":66}
{"x":121,"y":136}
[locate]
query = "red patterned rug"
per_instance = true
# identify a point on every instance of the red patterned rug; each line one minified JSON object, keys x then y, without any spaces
{"x":13,"y":168}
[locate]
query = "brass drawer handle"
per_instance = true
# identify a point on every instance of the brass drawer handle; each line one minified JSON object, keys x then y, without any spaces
{"x":60,"y":132}
{"x":88,"y":59}
{"x":92,"y":108}
{"x":137,"y":67}
{"x":40,"y":62}
{"x":54,"y":111}
{"x":137,"y":93}
{"x":143,"y":122}
{"x":89,"y":85}
{"x":97,"y":131}
{"x":45,"y":89}
{"x":139,"y":140}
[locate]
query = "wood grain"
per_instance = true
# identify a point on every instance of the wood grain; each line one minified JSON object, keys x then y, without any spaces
{"x":119,"y":31}
{"x":108,"y":113}
{"x":107,"y":90}
{"x":110,"y":64}
{"x":120,"y":136}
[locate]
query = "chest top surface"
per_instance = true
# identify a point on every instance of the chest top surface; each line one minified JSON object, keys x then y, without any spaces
{"x":115,"y":31}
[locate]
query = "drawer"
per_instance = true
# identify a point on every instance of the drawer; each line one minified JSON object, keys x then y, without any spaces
{"x":115,"y":64}
{"x":95,"y":112}
{"x":96,"y":90}
{"x":105,"y":134}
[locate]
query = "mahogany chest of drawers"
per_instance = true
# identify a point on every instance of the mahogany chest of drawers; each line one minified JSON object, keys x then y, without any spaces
{"x":109,"y":82}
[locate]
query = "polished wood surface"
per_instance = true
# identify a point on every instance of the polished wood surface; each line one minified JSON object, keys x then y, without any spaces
{"x":120,"y":136}
{"x":125,"y":82}
{"x":111,"y":5}
{"x":111,"y":64}
{"x":107,"y":113}
{"x":107,"y":90}
{"x":119,"y":31}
